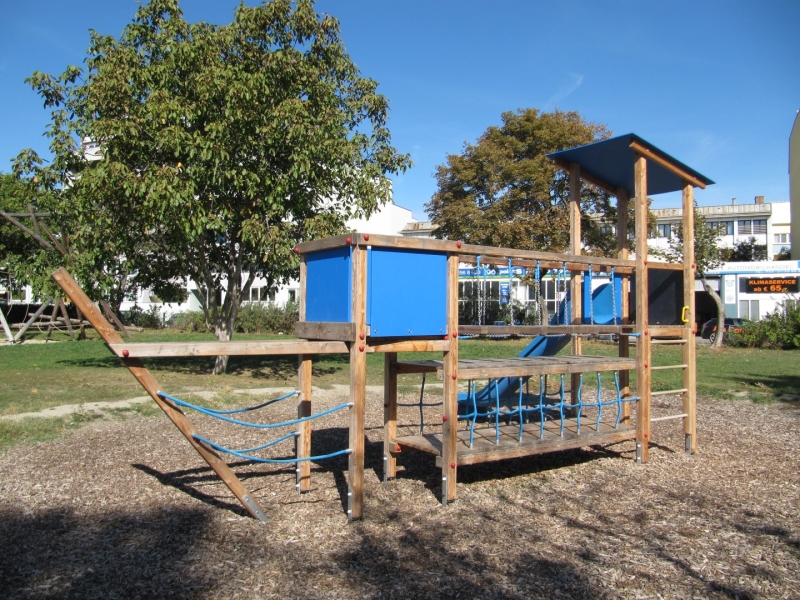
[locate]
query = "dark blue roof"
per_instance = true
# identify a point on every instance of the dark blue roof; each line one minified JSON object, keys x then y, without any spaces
{"x":612,"y":161}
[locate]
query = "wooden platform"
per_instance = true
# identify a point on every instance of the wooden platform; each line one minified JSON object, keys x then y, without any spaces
{"x":485,"y":449}
{"x":490,"y":368}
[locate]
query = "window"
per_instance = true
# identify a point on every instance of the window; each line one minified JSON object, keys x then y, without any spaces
{"x":292,"y":295}
{"x":783,"y":238}
{"x":760,"y":226}
{"x":745,"y":227}
{"x":749,"y":309}
{"x":665,"y":230}
{"x":726,"y":227}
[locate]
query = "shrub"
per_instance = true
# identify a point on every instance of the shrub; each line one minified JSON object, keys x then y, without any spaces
{"x":267,"y":318}
{"x":150,"y":319}
{"x":779,"y":329}
{"x":191,"y":321}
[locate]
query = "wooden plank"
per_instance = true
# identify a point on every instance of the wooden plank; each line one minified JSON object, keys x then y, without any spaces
{"x":303,"y":439}
{"x":358,"y":380}
{"x":233,"y":348}
{"x":319,"y":330}
{"x":623,"y":199}
{"x":389,"y":415}
{"x":485,"y":449}
{"x":500,"y":256}
{"x":689,"y":349}
{"x":670,"y":166}
{"x":415,"y":367}
{"x":412,"y":346}
{"x":664,"y":266}
{"x":587,"y":177}
{"x":666,"y":330}
{"x":576,"y":279}
{"x":327,"y":243}
{"x":540,"y":329}
{"x":450,"y":367}
{"x":643,"y":361}
{"x":549,"y":264}
{"x":149,"y":383}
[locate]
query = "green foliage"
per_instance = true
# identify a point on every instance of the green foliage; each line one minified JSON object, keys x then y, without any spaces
{"x":504,"y":191}
{"x":268,"y":318}
{"x":152,"y":318}
{"x":193,"y":321}
{"x":748,"y":250}
{"x":779,"y":329}
{"x":221,"y":148}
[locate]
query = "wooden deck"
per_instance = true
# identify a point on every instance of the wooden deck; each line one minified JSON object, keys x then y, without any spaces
{"x":485,"y":448}
{"x":491,"y":368}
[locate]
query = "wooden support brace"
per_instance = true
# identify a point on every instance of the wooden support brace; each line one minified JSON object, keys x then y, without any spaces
{"x":303,"y":440}
{"x":450,"y":374}
{"x":149,"y":383}
{"x":389,"y":415}
{"x":358,"y":379}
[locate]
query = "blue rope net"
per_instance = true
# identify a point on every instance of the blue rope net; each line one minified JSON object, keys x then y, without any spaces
{"x":246,"y":453}
{"x":543,"y":406}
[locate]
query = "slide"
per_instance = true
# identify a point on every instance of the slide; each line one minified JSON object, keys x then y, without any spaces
{"x":604,"y":307}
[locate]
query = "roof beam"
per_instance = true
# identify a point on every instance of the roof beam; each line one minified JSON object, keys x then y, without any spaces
{"x":650,"y":155}
{"x":588,"y":178}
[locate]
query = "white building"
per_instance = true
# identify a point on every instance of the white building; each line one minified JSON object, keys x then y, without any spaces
{"x":769,"y":223}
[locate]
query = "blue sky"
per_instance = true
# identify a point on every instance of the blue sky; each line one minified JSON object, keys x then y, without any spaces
{"x":714,"y":83}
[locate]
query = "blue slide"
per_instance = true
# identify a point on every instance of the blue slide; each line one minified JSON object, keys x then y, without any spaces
{"x":603,"y":308}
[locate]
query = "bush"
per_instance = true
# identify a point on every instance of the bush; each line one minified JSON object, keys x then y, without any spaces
{"x":779,"y":329}
{"x":192,"y":321}
{"x":267,"y":318}
{"x":150,"y":319}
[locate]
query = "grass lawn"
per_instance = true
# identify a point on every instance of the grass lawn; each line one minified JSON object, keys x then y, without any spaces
{"x":38,"y":376}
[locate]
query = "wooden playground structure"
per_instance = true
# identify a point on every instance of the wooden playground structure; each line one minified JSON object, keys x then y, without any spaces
{"x":362,"y":293}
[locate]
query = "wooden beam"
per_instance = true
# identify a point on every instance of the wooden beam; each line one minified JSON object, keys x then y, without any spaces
{"x":389,"y":415}
{"x":450,"y":399}
{"x":358,"y":381}
{"x":319,"y":330}
{"x":576,"y":279}
{"x":303,"y":439}
{"x":689,"y":350}
{"x":149,"y":383}
{"x":541,"y":329}
{"x":411,"y":346}
{"x":643,"y":378}
{"x":233,"y":348}
{"x":623,"y":200}
{"x":669,"y":166}
{"x":30,"y":321}
{"x":587,"y":177}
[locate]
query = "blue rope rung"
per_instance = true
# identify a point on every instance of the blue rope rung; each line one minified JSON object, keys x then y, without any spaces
{"x":211,"y":413}
{"x":250,"y":408}
{"x":241,"y":453}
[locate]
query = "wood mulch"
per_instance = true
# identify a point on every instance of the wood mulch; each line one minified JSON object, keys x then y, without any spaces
{"x":126,"y":509}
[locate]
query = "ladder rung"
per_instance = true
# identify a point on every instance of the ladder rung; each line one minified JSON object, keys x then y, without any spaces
{"x":668,"y":367}
{"x":668,"y":341}
{"x":680,"y":416}
{"x":668,"y":392}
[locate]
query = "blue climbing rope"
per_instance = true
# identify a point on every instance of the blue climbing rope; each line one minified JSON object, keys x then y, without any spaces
{"x":242,"y":453}
{"x":212,"y":413}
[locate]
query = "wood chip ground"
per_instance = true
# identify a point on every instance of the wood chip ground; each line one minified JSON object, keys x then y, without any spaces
{"x":126,"y":509}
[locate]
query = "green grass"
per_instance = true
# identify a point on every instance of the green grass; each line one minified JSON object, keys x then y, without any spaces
{"x":38,"y":376}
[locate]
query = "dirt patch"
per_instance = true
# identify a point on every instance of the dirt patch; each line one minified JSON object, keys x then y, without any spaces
{"x":127,"y":509}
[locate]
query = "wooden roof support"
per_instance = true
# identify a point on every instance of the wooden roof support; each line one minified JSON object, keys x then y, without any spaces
{"x":643,"y":378}
{"x":670,"y":166}
{"x":689,"y":349}
{"x":587,"y":177}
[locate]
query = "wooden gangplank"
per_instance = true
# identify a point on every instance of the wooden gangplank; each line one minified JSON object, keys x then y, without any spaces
{"x":485,"y":448}
{"x":493,"y":368}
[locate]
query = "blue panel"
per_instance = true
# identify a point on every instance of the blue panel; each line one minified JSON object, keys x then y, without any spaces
{"x":328,"y":281}
{"x":407,"y":293}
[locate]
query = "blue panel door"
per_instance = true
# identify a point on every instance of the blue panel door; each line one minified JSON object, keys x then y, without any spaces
{"x":328,"y":283}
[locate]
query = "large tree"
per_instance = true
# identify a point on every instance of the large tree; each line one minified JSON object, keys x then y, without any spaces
{"x":221,"y":147}
{"x":504,"y":191}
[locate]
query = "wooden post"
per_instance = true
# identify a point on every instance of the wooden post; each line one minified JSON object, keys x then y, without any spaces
{"x":623,"y":304}
{"x":576,"y":277}
{"x":450,"y":373}
{"x":643,"y":375}
{"x":149,"y":383}
{"x":389,"y":415}
{"x":358,"y":379}
{"x":67,"y":322}
{"x":6,"y":328}
{"x":689,"y":349}
{"x":303,"y":440}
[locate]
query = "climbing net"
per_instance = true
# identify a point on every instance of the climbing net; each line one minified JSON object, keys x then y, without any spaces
{"x":541,"y":406}
{"x":247,"y":453}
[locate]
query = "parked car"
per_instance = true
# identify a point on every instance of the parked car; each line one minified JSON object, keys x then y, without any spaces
{"x":709,"y":331}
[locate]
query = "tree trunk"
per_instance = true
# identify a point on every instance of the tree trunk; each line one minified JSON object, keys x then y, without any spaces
{"x":720,"y":314}
{"x":224,"y":332}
